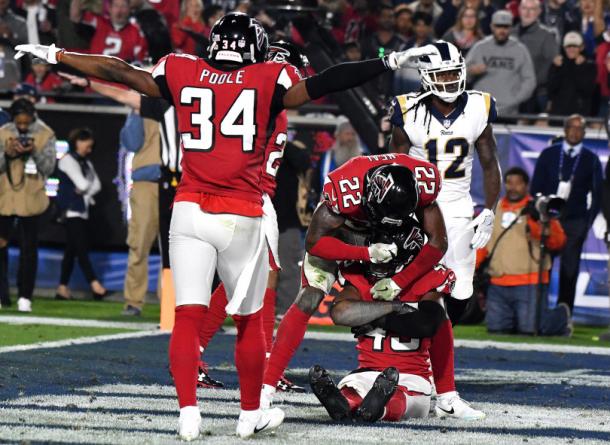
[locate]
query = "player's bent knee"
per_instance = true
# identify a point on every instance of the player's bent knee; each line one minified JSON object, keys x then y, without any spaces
{"x":309,"y":299}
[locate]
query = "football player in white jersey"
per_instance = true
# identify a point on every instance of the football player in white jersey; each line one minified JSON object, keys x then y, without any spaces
{"x":444,"y":124}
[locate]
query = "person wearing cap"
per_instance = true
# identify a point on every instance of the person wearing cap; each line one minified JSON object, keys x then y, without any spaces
{"x":541,"y":42}
{"x":502,"y":66}
{"x":25,"y":91}
{"x":571,"y":79}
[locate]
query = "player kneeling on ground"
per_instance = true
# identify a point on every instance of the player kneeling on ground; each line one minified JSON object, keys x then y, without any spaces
{"x":393,"y":379}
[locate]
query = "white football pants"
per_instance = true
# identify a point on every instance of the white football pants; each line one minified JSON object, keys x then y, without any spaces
{"x":201,"y":243}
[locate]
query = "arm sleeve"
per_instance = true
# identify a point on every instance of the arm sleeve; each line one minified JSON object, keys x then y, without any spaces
{"x":423,"y":263}
{"x":70,"y":167}
{"x":46,"y":158}
{"x":330,"y":248}
{"x":159,"y":74}
{"x":419,"y":324}
{"x":344,"y":76}
{"x":132,"y":133}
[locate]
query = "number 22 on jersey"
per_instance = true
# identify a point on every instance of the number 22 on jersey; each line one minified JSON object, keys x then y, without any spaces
{"x":237,"y":122}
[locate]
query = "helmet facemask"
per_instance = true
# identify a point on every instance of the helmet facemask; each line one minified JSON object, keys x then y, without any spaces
{"x":447,"y":91}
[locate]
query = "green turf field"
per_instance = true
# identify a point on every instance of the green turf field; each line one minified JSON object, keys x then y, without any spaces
{"x":111,"y":311}
{"x":25,"y":334}
{"x":85,"y":309}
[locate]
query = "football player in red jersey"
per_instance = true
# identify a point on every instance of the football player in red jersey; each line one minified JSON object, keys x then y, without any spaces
{"x":280,"y":52}
{"x":382,"y":190}
{"x":225,"y":104}
{"x":114,"y":35}
{"x":393,"y":379}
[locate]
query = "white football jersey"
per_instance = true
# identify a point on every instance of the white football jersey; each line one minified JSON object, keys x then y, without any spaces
{"x":446,"y":141}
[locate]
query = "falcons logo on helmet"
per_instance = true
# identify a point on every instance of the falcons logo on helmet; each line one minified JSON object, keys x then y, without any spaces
{"x":381,"y":186}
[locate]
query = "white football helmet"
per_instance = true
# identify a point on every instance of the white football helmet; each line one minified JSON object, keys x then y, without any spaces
{"x":445,"y":57}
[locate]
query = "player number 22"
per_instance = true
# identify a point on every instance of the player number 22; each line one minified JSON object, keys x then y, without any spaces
{"x":237,"y":122}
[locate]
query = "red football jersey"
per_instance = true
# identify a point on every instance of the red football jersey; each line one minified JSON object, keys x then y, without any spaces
{"x":223,"y":118}
{"x":274,"y":154}
{"x":344,"y":186}
{"x":127,"y":43}
{"x":380,"y":349}
{"x":48,"y":83}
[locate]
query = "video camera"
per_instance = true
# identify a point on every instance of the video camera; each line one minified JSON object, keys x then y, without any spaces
{"x":545,"y":207}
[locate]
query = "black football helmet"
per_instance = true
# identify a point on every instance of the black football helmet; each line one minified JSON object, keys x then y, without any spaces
{"x":409,"y":240}
{"x":390,"y":196}
{"x":239,"y":39}
{"x":283,"y":51}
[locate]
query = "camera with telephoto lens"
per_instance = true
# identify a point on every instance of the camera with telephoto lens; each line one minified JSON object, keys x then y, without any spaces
{"x":545,"y":207}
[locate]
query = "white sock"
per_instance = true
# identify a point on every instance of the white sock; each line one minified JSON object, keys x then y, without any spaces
{"x":250,"y":416}
{"x":268,"y":390}
{"x":190,"y":411}
{"x":447,"y":395}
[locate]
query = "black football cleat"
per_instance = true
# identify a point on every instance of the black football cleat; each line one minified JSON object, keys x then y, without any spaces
{"x":328,"y":394}
{"x":372,"y":406}
{"x":285,"y":385}
{"x":203,"y":377}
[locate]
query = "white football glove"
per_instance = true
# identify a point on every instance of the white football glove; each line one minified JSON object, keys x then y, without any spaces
{"x":483,"y":226}
{"x":385,"y":289}
{"x":409,"y":58}
{"x":48,"y":53}
{"x":382,"y":253}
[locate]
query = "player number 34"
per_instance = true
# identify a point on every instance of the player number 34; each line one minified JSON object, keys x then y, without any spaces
{"x":239,"y":120}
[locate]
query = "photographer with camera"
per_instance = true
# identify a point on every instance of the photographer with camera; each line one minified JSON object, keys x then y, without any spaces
{"x":513,"y":262}
{"x":27,"y":158}
{"x":573,"y":173}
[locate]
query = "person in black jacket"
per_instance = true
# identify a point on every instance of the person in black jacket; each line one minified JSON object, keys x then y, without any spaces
{"x":571,"y":79}
{"x":574,"y":173}
{"x":78,"y":183}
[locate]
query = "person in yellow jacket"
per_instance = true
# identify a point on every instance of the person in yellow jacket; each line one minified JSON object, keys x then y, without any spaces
{"x":27,"y":158}
{"x":513,"y":266}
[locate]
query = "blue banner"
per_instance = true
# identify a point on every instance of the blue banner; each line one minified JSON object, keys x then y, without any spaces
{"x":517,"y":148}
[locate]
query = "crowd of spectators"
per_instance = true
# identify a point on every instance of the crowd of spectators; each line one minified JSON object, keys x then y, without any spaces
{"x":534,"y":56}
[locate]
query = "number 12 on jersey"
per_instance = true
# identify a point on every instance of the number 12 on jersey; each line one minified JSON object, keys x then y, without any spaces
{"x":238,"y":121}
{"x":456,"y":169}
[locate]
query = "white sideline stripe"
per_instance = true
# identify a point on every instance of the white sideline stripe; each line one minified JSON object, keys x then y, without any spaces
{"x":79,"y":341}
{"x":475,"y":344}
{"x":13,"y":319}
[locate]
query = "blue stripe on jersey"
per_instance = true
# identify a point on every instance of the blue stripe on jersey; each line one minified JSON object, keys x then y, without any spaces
{"x":396,"y":118}
{"x":493,"y":112}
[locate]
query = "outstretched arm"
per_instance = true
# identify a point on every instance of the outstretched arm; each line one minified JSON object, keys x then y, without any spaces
{"x":126,"y":97}
{"x":112,"y":69}
{"x":107,"y":68}
{"x":349,"y":75}
{"x":488,"y":156}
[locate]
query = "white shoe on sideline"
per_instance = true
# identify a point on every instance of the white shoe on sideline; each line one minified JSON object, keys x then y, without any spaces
{"x":253,"y":422}
{"x":267,"y":393}
{"x":452,"y":405}
{"x":189,"y":423}
{"x":24,"y":305}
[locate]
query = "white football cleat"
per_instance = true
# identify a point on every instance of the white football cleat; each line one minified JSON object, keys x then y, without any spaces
{"x":454,"y":406}
{"x":267,"y":393}
{"x":189,"y":423}
{"x":253,"y":422}
{"x":24,"y":305}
